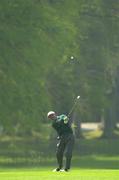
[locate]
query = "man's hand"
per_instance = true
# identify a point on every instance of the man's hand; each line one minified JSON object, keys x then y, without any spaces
{"x":66,"y":119}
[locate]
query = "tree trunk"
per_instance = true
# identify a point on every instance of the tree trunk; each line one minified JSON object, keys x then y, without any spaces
{"x":110,"y":118}
{"x":108,"y":124}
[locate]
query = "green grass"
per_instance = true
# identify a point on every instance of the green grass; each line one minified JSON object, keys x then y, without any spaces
{"x":83,"y":168}
{"x":47,"y":174}
{"x":94,"y":159}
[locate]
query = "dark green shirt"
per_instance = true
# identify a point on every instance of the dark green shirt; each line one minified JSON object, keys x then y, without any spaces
{"x":61,"y":125}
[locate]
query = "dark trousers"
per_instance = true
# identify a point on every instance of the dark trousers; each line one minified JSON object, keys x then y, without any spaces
{"x":66,"y":143}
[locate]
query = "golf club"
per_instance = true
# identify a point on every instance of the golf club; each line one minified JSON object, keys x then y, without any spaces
{"x":74,"y":105}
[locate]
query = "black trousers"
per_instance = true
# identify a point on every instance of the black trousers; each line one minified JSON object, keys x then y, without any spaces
{"x":65,"y":145}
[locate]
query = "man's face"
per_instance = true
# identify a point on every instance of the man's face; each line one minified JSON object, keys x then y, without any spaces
{"x":53,"y":116}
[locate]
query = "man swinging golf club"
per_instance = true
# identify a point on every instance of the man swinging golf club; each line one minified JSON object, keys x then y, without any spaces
{"x":62,"y":125}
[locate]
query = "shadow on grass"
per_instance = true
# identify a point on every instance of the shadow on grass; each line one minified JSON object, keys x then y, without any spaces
{"x":84,"y":162}
{"x":97,"y":162}
{"x":88,"y":154}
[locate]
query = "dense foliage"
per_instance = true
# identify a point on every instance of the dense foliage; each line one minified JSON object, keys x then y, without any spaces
{"x":38,"y":37}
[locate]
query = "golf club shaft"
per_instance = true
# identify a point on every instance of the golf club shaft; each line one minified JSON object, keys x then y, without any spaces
{"x":74,"y":105}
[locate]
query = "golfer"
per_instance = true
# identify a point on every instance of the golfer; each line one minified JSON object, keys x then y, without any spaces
{"x":66,"y":139}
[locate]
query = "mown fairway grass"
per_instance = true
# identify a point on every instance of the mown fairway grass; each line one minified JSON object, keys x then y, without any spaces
{"x":47,"y":174}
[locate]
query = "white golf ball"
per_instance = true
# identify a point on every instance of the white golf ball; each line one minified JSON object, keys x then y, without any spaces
{"x":78,"y":97}
{"x":72,"y":57}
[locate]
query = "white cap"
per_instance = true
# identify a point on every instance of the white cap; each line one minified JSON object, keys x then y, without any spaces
{"x":50,"y":113}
